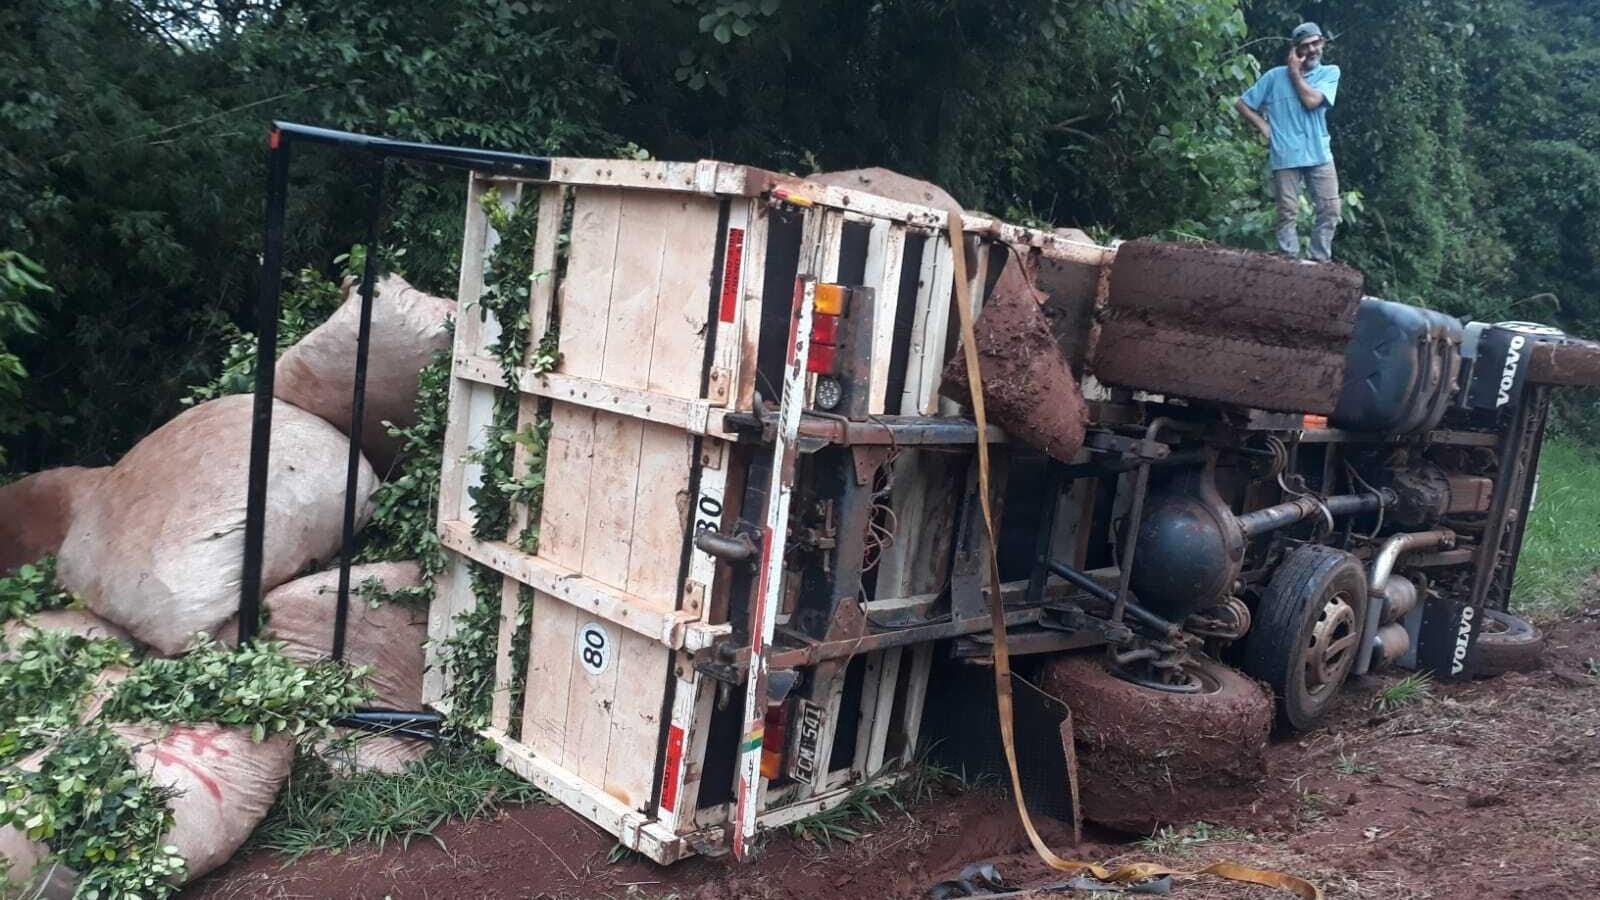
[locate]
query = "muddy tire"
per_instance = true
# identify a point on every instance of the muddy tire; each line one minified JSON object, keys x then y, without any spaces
{"x":1227,"y":325}
{"x":1307,"y":632}
{"x":1148,"y":757}
{"x":1507,"y":643}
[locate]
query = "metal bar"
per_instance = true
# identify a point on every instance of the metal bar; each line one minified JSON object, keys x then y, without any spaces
{"x":358,"y":407}
{"x":1530,"y":475}
{"x":1095,"y":589}
{"x":1047,"y":528}
{"x":494,"y":161}
{"x":266,"y":359}
{"x":1141,"y":486}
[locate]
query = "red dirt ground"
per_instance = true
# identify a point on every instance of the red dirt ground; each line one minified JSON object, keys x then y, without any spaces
{"x":1483,"y":790}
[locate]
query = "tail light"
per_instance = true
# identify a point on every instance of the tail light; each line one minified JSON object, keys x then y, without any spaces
{"x":773,"y":741}
{"x":827,"y":321}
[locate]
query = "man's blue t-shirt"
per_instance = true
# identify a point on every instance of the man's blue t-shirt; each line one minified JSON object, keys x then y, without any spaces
{"x":1299,"y":135}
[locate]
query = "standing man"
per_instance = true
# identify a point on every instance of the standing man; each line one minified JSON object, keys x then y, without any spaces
{"x":1289,"y":106}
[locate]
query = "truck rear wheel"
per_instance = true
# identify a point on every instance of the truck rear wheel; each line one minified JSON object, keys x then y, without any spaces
{"x":1307,"y":631}
{"x":1148,"y":757}
{"x":1507,"y":643}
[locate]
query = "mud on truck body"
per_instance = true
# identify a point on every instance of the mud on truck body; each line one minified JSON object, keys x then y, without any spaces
{"x":759,"y":578}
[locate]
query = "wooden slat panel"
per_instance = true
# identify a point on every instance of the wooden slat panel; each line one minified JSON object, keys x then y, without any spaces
{"x":635,"y":286}
{"x":500,"y":696}
{"x":683,"y":298}
{"x":541,"y":295}
{"x":867,"y":711}
{"x":586,"y":293}
{"x":486,"y":326}
{"x":693,"y":416}
{"x":660,"y":515}
{"x":755,"y":269}
{"x":550,"y":665}
{"x":916,"y":698}
{"x":928,"y":330}
{"x":590,"y":699}
{"x":612,"y":498}
{"x":883,"y":717}
{"x":673,"y":628}
{"x":451,"y":489}
{"x":478,"y":418}
{"x":568,"y":461}
{"x":885,"y":254}
{"x":635,"y":716}
{"x":452,"y":594}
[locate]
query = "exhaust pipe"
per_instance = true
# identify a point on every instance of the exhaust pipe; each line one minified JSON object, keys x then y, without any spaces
{"x":1378,"y":578}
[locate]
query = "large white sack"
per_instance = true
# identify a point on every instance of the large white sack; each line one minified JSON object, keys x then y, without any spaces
{"x":890,"y":184}
{"x":317,"y":374}
{"x":18,"y":856}
{"x":36,"y":511}
{"x":350,"y":751}
{"x":387,"y":637}
{"x":225,"y":784}
{"x":158,"y":548}
{"x":80,"y":622}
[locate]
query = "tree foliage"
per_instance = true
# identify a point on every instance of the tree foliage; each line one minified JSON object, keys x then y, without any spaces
{"x":131,"y":142}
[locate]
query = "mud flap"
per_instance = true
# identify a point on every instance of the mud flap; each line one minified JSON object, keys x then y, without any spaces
{"x":1447,"y":636}
{"x":963,"y":731}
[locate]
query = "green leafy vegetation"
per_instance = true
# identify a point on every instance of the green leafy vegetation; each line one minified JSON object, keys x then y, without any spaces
{"x":305,"y":303}
{"x":99,"y":815}
{"x":1561,"y":549}
{"x":255,"y":686}
{"x":320,"y":809}
{"x":19,"y":278}
{"x":30,"y":589}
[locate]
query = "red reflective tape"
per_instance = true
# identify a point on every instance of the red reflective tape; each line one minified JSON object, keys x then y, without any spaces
{"x":273,"y":137}
{"x":669,"y":786}
{"x":730,"y":275}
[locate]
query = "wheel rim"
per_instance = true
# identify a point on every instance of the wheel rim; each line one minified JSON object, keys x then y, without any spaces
{"x":1493,"y":625}
{"x":1331,"y":649}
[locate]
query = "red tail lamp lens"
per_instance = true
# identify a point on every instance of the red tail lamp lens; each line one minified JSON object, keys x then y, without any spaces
{"x":773,"y":740}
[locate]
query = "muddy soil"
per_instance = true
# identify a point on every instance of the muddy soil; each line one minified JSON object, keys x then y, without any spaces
{"x":1028,"y":388}
{"x":1483,"y":790}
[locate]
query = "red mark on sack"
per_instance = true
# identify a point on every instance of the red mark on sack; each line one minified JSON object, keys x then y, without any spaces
{"x":199,"y":745}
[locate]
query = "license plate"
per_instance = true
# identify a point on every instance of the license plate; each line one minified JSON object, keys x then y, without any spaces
{"x":803,"y":760}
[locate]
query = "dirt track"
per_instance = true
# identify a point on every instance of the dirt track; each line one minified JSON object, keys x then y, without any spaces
{"x":1487,"y":790}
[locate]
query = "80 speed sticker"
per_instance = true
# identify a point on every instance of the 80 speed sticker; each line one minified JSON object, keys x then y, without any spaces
{"x":594,"y":648}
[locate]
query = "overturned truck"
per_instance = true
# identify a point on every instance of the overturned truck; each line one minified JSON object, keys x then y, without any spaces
{"x":1224,"y":483}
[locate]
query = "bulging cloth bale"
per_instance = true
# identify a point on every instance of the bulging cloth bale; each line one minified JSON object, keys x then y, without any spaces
{"x":889,"y":184}
{"x":80,"y":622}
{"x":388,"y":637}
{"x":1028,"y":388}
{"x":36,"y":511}
{"x":224,"y":784}
{"x":158,"y":548}
{"x":351,"y":751}
{"x":317,"y":374}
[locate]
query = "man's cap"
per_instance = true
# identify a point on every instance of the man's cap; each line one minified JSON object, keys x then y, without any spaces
{"x":1305,"y":31}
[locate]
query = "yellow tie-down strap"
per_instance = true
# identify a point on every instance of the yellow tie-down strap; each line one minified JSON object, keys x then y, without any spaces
{"x":1127,"y":874}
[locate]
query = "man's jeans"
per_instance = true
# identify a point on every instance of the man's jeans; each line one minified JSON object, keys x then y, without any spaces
{"x":1322,"y":182}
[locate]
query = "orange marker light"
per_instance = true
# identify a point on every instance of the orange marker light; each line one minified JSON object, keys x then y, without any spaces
{"x":830,"y":299}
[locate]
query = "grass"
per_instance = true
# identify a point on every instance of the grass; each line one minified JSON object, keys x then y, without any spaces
{"x":839,"y":823}
{"x":1350,"y":765}
{"x":1169,"y":841}
{"x":319,"y":810}
{"x":1562,"y":547}
{"x":1408,"y":690}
